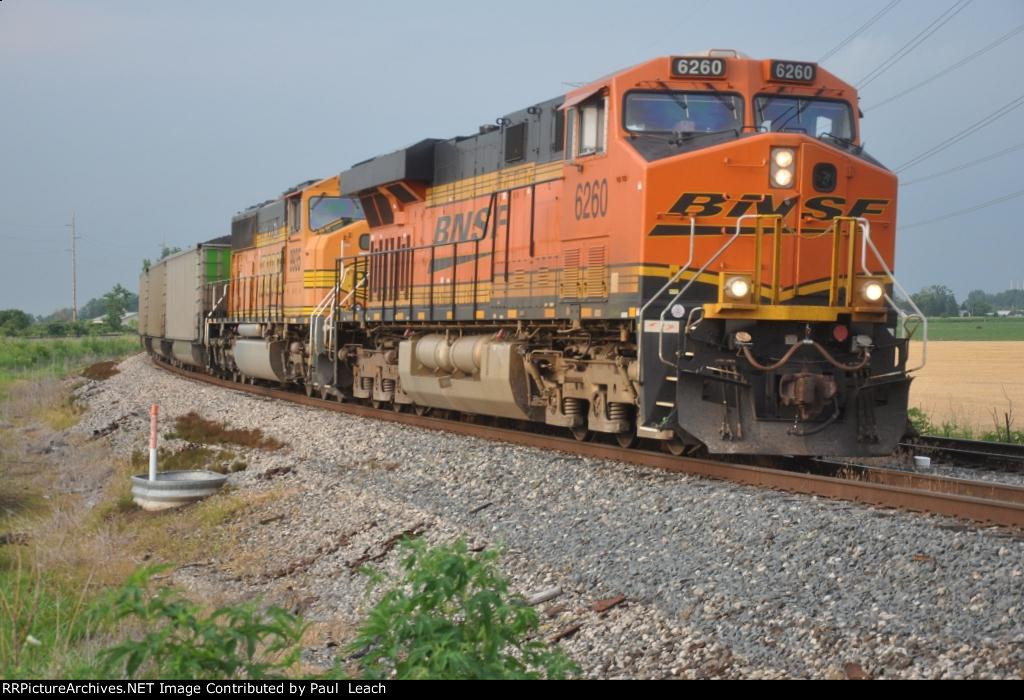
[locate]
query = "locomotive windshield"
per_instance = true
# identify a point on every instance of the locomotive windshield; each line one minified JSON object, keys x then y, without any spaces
{"x":683,"y":112}
{"x":812,"y":117}
{"x":324,"y":211}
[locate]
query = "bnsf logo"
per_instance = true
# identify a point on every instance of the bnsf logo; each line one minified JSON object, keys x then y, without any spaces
{"x":700,"y":204}
{"x":468,"y":226}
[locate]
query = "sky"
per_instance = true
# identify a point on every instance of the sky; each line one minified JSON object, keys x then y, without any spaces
{"x":156,"y":122}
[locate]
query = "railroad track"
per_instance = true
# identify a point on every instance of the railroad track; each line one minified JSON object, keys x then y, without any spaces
{"x":983,"y":502}
{"x":970,"y":453}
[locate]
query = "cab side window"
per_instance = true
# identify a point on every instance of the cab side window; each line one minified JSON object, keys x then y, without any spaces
{"x":293,"y":213}
{"x":593,"y":126}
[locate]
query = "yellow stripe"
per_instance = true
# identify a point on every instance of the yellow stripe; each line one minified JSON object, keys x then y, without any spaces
{"x":271,"y":237}
{"x":505,"y":179}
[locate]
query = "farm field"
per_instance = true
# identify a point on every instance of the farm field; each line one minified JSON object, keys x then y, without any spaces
{"x":965,"y":380}
{"x":983,"y":329}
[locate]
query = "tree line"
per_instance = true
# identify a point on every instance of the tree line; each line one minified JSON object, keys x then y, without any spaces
{"x":939,"y":300}
{"x":935,"y":300}
{"x":112,"y":306}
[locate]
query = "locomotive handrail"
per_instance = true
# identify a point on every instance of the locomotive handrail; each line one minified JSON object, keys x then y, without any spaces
{"x":318,"y":310}
{"x":672,"y":280}
{"x":866,"y":242}
{"x":696,"y":275}
{"x":352,"y":291}
{"x":489,"y":230}
{"x":216,"y":304}
{"x":209,"y":316}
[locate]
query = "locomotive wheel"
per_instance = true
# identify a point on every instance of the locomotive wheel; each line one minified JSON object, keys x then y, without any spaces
{"x":627,"y":439}
{"x":398,"y":407}
{"x":420,"y":410}
{"x":308,"y":386}
{"x":581,"y":434}
{"x":325,"y":393}
{"x":674,"y":447}
{"x":376,"y":404}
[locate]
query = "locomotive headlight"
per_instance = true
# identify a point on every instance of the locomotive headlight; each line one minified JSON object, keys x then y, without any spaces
{"x":739,"y":288}
{"x":783,"y":178}
{"x":873,"y":291}
{"x":736,"y":288}
{"x":783,"y":164}
{"x":783,"y":157}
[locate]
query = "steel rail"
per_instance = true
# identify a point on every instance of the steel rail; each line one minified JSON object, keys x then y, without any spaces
{"x":999,"y":505}
{"x":970,"y":453}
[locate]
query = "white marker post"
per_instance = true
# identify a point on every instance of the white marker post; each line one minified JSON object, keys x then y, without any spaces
{"x":152,"y":442}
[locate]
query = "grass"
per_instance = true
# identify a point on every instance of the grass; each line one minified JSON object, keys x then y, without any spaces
{"x":190,"y":458}
{"x":924,"y":425}
{"x":194,"y":428}
{"x":27,"y":358}
{"x":74,"y":530}
{"x":43,"y":618}
{"x":39,"y":400}
{"x":52,"y":572}
{"x":981,"y":328}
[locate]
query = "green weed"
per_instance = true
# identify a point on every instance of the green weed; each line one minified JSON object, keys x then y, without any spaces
{"x":182,"y":643}
{"x":451,"y":617}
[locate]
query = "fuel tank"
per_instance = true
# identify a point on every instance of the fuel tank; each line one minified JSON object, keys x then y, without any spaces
{"x":263,"y":359}
{"x":473,"y":374}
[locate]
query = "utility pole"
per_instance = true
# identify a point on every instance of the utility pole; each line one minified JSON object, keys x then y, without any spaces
{"x":74,"y":270}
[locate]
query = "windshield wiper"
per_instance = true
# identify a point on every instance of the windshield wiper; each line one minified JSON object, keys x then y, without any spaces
{"x":799,"y":109}
{"x":843,"y":140}
{"x":678,"y":137}
{"x":675,"y":98}
{"x":796,"y":106}
{"x":729,"y":104}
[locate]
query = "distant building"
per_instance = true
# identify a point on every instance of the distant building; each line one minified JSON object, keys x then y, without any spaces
{"x":125,"y":318}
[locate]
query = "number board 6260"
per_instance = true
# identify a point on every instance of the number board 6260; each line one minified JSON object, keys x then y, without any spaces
{"x":793,"y":72}
{"x":691,"y":67}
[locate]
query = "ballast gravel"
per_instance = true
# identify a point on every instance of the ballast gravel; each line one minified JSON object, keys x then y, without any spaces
{"x":719,"y":580}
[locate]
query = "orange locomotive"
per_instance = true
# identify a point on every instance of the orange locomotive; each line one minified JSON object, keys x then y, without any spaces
{"x":695,"y":250}
{"x":282,"y":269}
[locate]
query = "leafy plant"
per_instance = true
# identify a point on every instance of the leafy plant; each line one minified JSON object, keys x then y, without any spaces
{"x":452,"y":618}
{"x":920,"y":421}
{"x":181,"y":643}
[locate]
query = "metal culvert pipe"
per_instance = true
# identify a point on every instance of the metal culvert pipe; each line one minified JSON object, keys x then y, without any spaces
{"x":176,"y":488}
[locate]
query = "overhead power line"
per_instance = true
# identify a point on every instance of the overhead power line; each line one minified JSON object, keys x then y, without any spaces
{"x":961,"y":212}
{"x":858,"y":31}
{"x":962,"y":62}
{"x":937,"y":24}
{"x":964,"y":166}
{"x":961,"y":135}
{"x":686,"y":19}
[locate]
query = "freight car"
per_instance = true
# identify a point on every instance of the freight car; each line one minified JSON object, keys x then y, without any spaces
{"x":696,"y":250}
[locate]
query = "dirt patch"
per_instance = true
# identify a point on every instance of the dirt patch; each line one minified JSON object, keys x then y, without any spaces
{"x":194,"y":428}
{"x":100,"y":371}
{"x":964,"y":382}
